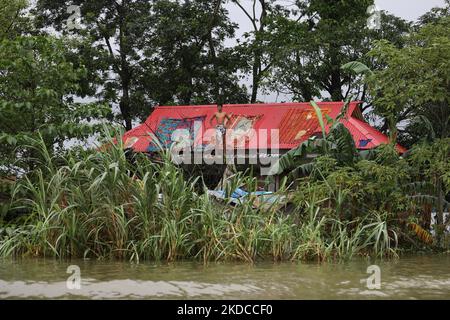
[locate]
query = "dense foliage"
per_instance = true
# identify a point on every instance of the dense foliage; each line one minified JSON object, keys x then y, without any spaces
{"x":61,"y":82}
{"x":91,"y":204}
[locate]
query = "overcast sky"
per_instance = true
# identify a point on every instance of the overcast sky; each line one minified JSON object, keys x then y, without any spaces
{"x":406,"y":9}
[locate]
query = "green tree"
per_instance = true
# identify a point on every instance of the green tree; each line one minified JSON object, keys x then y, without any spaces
{"x":141,"y":53}
{"x":37,"y":86}
{"x":257,"y":45}
{"x":415,"y":82}
{"x":11,"y":17}
{"x":435,"y":14}
{"x":329,"y":35}
{"x":187,"y":62}
{"x":112,"y":34}
{"x":430,"y":171}
{"x":316,"y":38}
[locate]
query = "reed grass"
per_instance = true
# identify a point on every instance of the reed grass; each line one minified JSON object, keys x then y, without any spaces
{"x":98,"y":205}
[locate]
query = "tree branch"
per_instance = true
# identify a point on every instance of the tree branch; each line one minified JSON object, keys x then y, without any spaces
{"x":252,"y":20}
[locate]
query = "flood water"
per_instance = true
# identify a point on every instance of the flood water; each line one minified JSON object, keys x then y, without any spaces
{"x":414,"y":277}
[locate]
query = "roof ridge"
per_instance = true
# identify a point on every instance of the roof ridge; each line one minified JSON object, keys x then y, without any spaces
{"x":269,"y":104}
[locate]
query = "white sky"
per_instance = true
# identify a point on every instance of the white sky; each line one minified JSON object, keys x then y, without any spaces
{"x":406,"y":9}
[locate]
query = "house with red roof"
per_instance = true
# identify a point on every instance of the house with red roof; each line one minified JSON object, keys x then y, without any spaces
{"x":294,"y":122}
{"x":262,"y":130}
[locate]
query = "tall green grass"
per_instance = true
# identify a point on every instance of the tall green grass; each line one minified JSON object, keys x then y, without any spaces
{"x":96,"y":204}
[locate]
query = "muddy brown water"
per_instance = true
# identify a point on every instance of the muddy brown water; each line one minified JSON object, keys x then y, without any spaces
{"x":412,"y":277}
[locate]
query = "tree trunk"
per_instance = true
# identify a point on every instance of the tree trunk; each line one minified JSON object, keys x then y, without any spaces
{"x":125,"y":72}
{"x":125,"y":105}
{"x":336,"y":86}
{"x":258,"y":52}
{"x":256,"y":77}
{"x":335,"y":89}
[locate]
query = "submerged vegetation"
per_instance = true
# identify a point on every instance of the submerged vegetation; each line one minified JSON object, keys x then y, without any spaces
{"x":99,"y":205}
{"x":61,"y":200}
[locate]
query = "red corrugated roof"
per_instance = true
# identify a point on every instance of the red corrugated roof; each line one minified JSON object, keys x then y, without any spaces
{"x":361,"y":130}
{"x":296,"y":122}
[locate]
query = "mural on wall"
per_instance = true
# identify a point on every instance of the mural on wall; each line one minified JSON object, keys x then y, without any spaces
{"x":186,"y":128}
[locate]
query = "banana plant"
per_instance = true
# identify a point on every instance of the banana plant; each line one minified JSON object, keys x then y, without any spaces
{"x":337,"y":143}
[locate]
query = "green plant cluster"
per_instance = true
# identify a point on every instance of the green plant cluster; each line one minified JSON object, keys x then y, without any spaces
{"x":98,"y":205}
